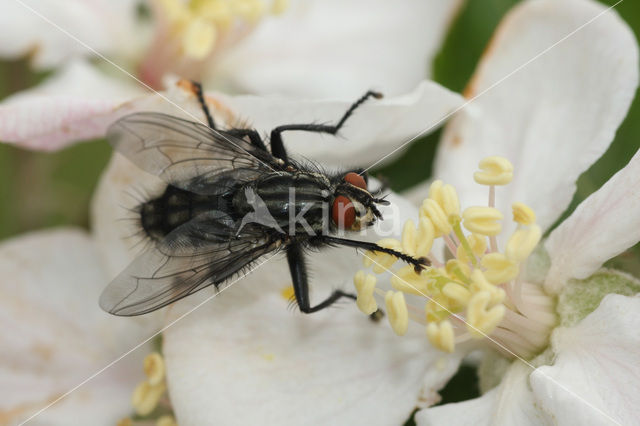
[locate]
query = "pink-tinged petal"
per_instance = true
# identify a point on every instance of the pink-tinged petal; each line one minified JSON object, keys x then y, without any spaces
{"x":78,"y":103}
{"x":594,"y":379}
{"x":331,"y":48}
{"x":374,"y":131}
{"x":510,"y":403}
{"x":602,"y":226}
{"x":555,"y":84}
{"x":28,"y":27}
{"x":54,"y":335}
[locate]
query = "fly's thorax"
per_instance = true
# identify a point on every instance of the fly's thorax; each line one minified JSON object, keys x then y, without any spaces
{"x":292,"y":203}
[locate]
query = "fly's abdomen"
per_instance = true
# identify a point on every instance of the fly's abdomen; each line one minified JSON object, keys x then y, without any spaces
{"x":173,"y":208}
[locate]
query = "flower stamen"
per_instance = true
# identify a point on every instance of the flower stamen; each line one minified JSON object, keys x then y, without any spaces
{"x":479,"y":292}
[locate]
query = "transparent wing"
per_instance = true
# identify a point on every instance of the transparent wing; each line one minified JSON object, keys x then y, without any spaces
{"x":200,"y":253}
{"x":186,"y":154}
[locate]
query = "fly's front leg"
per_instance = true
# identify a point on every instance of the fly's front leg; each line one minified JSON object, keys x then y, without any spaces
{"x":301,"y":283}
{"x":418,"y":264}
{"x":277,"y":146}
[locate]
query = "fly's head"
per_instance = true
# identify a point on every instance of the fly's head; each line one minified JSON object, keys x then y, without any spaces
{"x":353,"y":206}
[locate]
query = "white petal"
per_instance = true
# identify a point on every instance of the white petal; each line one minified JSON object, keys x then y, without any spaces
{"x":54,"y":335}
{"x":554,"y":116}
{"x":78,"y":103}
{"x":594,"y":380}
{"x":268,"y":364}
{"x":330,"y":48}
{"x":331,"y":350}
{"x":601,"y":227}
{"x":510,"y":403}
{"x":374,"y":130}
{"x":103,"y":25}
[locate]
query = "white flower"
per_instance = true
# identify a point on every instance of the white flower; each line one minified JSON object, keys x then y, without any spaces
{"x":81,"y":100}
{"x":54,"y":337}
{"x":264,"y":362}
{"x":314,"y":49}
{"x":553,"y":118}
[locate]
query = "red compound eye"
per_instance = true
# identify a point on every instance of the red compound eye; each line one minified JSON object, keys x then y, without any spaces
{"x":355,"y":180}
{"x":343,"y":212}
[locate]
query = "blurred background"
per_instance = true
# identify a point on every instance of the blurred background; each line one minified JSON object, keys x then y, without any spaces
{"x":39,"y":190}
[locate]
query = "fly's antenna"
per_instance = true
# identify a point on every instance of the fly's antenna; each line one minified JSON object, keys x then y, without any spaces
{"x":382,"y":201}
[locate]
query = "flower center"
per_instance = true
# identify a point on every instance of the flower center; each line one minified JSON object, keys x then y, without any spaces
{"x":200,"y":25}
{"x":479,"y":291}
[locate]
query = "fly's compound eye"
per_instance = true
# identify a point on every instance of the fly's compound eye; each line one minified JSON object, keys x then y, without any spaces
{"x":343,"y":212}
{"x":355,"y":180}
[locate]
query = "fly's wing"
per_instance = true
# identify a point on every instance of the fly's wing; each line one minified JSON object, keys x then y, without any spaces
{"x":200,"y":253}
{"x":187,"y":154}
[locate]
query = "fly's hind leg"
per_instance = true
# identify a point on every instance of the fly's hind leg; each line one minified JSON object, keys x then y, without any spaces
{"x":277,"y":146}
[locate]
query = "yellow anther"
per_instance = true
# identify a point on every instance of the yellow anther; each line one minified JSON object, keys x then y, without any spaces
{"x":426,"y":235}
{"x":409,"y":238}
{"x":146,"y":396}
{"x":154,"y":368}
{"x":480,"y":283}
{"x":522,"y":242}
{"x":125,"y":422}
{"x":457,"y":270}
{"x":499,"y":269}
{"x":437,"y":309}
{"x":478,"y":244}
{"x":251,"y":10}
{"x":166,"y":420}
{"x":457,"y":293}
{"x":279,"y":6}
{"x":218,"y":11}
{"x":482,"y":220}
{"x":482,"y":320}
{"x":397,"y":312}
{"x":441,"y":335}
{"x":174,"y":10}
{"x":407,"y":281}
{"x":446,"y":197}
{"x":365,"y":286}
{"x":494,"y":171}
{"x":199,"y":38}
{"x":432,"y":210}
{"x":523,"y":214}
{"x":288,"y":293}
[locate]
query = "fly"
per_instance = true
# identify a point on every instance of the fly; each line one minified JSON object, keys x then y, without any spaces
{"x":228,"y":202}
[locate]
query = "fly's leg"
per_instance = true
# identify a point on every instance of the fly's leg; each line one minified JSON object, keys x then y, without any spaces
{"x":277,"y":146}
{"x":254,"y":137}
{"x":301,"y":283}
{"x":418,"y":264}
{"x":205,"y":108}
